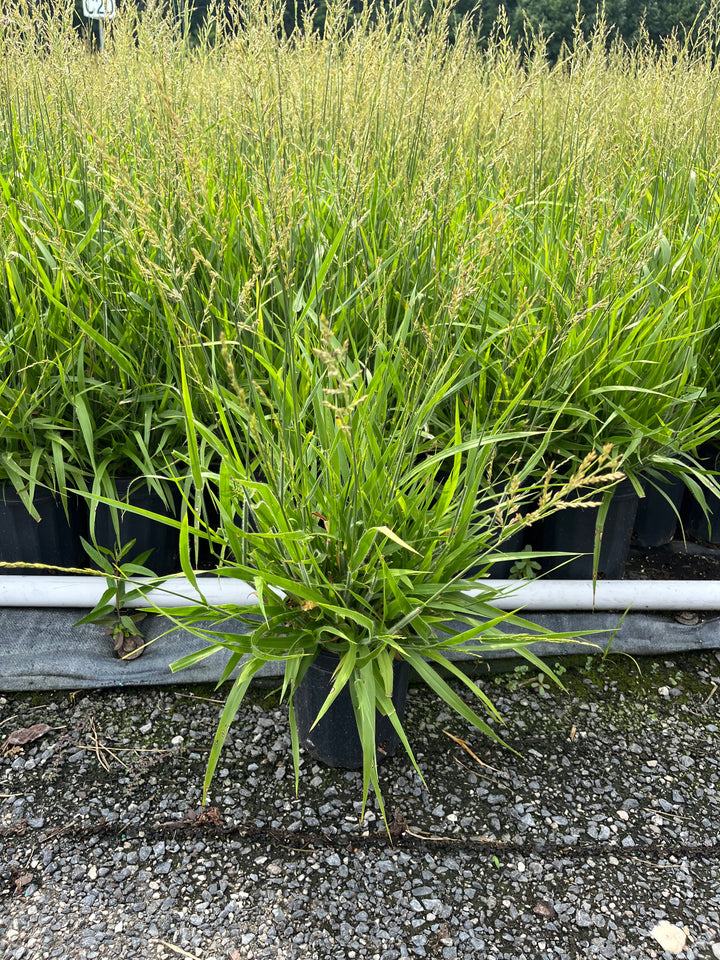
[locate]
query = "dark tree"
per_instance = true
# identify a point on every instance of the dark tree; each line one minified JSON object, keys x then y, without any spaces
{"x":658,"y":18}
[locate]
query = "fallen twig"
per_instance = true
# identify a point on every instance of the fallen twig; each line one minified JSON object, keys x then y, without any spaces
{"x":193,"y":696}
{"x":183,"y":953}
{"x":484,"y":776}
{"x":59,"y":832}
{"x":662,"y":813}
{"x":475,"y":757}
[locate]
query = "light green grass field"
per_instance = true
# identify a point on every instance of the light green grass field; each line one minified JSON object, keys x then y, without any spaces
{"x":548,"y":233}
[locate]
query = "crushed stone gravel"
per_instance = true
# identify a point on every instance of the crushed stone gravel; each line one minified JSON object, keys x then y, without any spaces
{"x":603,"y":826}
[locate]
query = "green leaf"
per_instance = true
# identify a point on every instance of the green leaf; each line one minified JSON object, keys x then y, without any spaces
{"x":384,"y":661}
{"x":362,"y":691}
{"x":118,"y":357}
{"x":192,"y":447}
{"x":192,"y":658}
{"x":343,"y":673}
{"x":388,"y":710}
{"x":184,"y":545}
{"x":597,"y":540}
{"x":436,"y":683}
{"x":232,"y":705}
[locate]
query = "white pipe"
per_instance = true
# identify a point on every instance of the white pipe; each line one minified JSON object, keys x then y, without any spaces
{"x":85,"y":592}
{"x":639,"y":595}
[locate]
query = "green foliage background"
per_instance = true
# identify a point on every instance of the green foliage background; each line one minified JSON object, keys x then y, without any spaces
{"x":557,"y":20}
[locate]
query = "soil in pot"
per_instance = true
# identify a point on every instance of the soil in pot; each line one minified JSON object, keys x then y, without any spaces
{"x":573,"y":531}
{"x":335,"y":740}
{"x":672,"y":562}
{"x":695,"y":523}
{"x":148,"y":534}
{"x":657,"y":514}
{"x":54,"y":540}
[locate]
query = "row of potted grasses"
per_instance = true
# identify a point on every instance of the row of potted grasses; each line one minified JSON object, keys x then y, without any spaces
{"x":210,"y":246}
{"x":377,"y":301}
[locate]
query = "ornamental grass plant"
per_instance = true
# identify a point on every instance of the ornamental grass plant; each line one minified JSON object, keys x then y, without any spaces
{"x":357,"y":533}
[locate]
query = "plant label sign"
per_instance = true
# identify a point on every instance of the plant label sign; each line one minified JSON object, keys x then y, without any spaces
{"x":99,"y":9}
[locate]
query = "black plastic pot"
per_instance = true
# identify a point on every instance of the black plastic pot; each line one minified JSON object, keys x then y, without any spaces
{"x":208,"y":557}
{"x":500,"y":570}
{"x":54,"y":540}
{"x":148,"y":534}
{"x":335,"y":740}
{"x":203,"y":557}
{"x":695,"y":523}
{"x":572,"y":530}
{"x":656,"y":520}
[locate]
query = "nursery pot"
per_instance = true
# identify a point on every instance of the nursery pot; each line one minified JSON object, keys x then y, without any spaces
{"x":657,"y":513}
{"x":148,"y":534}
{"x":335,"y":740}
{"x":695,"y":523}
{"x":499,"y":570}
{"x":572,"y":530}
{"x":54,"y":540}
{"x":207,"y":556}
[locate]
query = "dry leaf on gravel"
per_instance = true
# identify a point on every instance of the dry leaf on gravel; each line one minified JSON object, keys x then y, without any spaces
{"x":670,"y":937}
{"x":545,"y":909}
{"x":208,"y":815}
{"x":19,"y":738}
{"x":22,"y":881}
{"x":18,"y":828}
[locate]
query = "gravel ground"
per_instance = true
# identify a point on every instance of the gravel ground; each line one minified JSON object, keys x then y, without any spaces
{"x":605,"y":823}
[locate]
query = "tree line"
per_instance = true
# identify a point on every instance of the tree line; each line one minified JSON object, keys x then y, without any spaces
{"x":557,"y":21}
{"x":627,"y":20}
